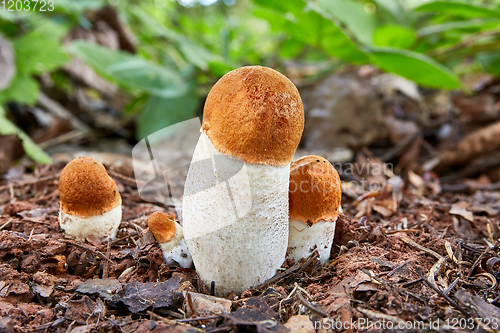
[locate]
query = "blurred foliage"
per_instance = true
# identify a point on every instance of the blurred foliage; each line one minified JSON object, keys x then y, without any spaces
{"x":35,"y":152}
{"x":184,"y":46}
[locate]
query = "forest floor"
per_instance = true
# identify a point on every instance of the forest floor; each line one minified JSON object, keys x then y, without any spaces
{"x":417,"y":251}
{"x":404,"y":255}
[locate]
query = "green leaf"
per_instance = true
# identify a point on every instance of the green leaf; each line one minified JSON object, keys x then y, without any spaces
{"x":31,"y":148}
{"x":161,"y":112}
{"x":283,"y":7}
{"x":394,"y":8}
{"x":130,"y":71}
{"x":220,"y":68}
{"x":77,"y":8}
{"x":23,"y":89}
{"x":475,"y":24}
{"x":333,"y":40}
{"x":394,"y":36}
{"x":415,"y":66}
{"x":314,"y":26}
{"x":37,"y":53}
{"x":290,"y":48}
{"x":353,"y":15}
{"x":195,"y":54}
{"x":491,"y":62}
{"x":464,"y":9}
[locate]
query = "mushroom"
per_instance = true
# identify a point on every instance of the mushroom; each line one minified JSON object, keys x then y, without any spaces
{"x":90,"y":201}
{"x":315,"y":193}
{"x":235,"y":205}
{"x":168,"y":234}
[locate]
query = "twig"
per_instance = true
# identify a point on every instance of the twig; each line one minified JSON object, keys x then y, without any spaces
{"x":5,"y":224}
{"x":407,"y":293}
{"x":283,"y":302}
{"x":470,"y":248}
{"x":198,"y":318}
{"x":117,"y":240}
{"x":399,"y":148}
{"x":50,"y":324}
{"x":420,"y":247}
{"x":373,"y":276}
{"x":162,"y":319}
{"x":449,"y":250}
{"x":279,"y":276}
{"x":190,"y":303}
{"x":446,"y":297}
{"x":86,"y":247}
{"x":398,"y":267}
{"x":434,"y":269}
{"x":60,"y":111}
{"x":106,"y":264}
{"x":451,"y":286}
{"x":70,"y":136}
{"x":390,"y":232}
{"x":311,"y":258}
{"x":30,"y":182}
{"x":407,"y":284}
{"x":311,"y":307}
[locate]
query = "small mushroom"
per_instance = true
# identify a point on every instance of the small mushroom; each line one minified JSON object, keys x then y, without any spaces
{"x":315,"y":193}
{"x":235,"y":206}
{"x":90,"y":201}
{"x":168,"y":233}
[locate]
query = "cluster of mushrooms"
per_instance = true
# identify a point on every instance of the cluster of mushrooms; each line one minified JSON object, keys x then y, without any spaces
{"x":250,"y":210}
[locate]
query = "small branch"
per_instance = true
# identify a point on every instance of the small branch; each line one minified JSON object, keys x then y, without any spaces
{"x":88,"y":248}
{"x":311,"y":307}
{"x":446,"y":297}
{"x":30,"y":182}
{"x":420,"y":247}
{"x":105,"y":272}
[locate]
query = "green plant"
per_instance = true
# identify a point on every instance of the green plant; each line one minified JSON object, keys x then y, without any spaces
{"x":421,"y":42}
{"x":182,"y":51}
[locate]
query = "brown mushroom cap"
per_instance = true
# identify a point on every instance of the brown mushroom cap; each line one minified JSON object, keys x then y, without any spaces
{"x":162,"y":226}
{"x":86,"y":189}
{"x":255,"y":113}
{"x":315,"y":190}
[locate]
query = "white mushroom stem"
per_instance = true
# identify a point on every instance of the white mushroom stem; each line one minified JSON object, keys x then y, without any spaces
{"x":235,"y":218}
{"x":176,"y":251}
{"x":304,"y":240}
{"x":101,"y":226}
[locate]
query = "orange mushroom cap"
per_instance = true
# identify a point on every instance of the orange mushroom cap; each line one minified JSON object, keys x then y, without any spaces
{"x":255,"y":113}
{"x":86,"y":189}
{"x":162,"y":226}
{"x":315,"y":190}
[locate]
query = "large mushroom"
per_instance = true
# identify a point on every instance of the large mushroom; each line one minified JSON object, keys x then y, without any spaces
{"x":90,"y":201}
{"x":315,"y":193}
{"x":235,"y":206}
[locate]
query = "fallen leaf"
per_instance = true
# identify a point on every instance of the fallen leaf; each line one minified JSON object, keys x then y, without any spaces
{"x":139,"y":296}
{"x":460,"y":209}
{"x":206,"y":305}
{"x":105,"y":288}
{"x":382,"y":210}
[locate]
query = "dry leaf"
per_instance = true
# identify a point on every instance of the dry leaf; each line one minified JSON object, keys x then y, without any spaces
{"x":460,"y":209}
